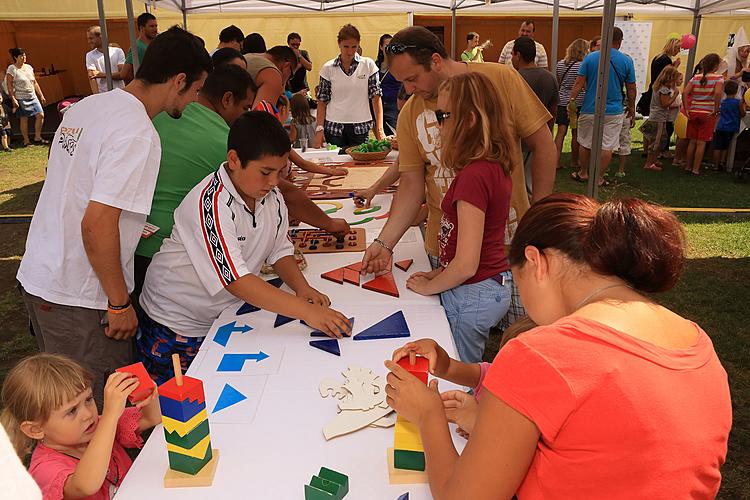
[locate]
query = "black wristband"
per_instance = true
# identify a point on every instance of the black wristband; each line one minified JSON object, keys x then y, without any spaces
{"x":118,"y":308}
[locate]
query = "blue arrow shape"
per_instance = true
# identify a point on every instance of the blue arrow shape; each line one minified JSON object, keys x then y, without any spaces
{"x":226,"y":331}
{"x":229,"y":396}
{"x":234,"y":362}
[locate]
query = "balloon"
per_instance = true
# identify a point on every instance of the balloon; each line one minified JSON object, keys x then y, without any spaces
{"x":747,"y":97}
{"x":680,"y":126}
{"x":688,"y":41}
{"x":674,"y":36}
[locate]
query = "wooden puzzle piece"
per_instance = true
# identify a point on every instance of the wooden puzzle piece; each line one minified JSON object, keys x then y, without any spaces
{"x":355,"y":266}
{"x":226,"y":331}
{"x":394,"y":326}
{"x":247,"y":308}
{"x":327,"y":345}
{"x":384,"y":284}
{"x":403,"y":476}
{"x":145,"y":384}
{"x":385,"y":422}
{"x":319,"y":241}
{"x":337,"y":276}
{"x":351,"y":276}
{"x":419,"y":369}
{"x":203,"y":478}
{"x":281,"y":320}
{"x":327,"y":485}
{"x":229,"y":397}
{"x":350,"y":421}
{"x":404,"y":265}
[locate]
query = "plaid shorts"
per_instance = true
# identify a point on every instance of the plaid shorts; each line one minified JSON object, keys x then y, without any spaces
{"x":516,"y":310}
{"x":155,"y":344}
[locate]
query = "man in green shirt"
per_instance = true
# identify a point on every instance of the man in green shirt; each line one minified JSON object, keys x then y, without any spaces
{"x":147,"y":31}
{"x":195,"y":145}
{"x":473,"y":52}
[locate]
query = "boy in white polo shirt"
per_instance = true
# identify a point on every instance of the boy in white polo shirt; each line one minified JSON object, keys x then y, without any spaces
{"x":229,"y":224}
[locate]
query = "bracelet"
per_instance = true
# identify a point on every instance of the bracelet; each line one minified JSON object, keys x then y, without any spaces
{"x":119,"y":311}
{"x":380,"y":242}
{"x":118,"y":308}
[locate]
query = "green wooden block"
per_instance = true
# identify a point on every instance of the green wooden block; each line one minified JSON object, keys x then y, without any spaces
{"x":313,"y":493}
{"x":191,"y":438}
{"x":410,"y":460}
{"x":189,"y":465}
{"x":341,"y":479}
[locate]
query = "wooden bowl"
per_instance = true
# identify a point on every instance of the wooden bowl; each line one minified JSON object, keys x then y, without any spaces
{"x":379,"y":155}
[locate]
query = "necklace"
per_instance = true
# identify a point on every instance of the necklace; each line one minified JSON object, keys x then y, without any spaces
{"x":595,"y":293}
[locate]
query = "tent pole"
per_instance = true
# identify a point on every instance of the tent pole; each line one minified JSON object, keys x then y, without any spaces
{"x":453,"y":30}
{"x":555,"y":34}
{"x":600,"y":107}
{"x":184,"y":16}
{"x":105,"y":43}
{"x":410,"y":18}
{"x":131,"y":33}
{"x":695,"y":31}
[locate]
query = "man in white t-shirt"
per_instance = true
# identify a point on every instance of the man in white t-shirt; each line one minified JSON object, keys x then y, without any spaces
{"x":527,"y":29}
{"x":95,"y":66}
{"x":77,"y":271}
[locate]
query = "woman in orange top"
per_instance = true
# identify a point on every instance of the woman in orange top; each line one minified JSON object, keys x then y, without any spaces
{"x":612,"y":396}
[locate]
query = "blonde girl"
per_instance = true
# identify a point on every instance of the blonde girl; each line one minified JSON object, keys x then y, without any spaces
{"x":473,"y":278}
{"x":663,"y":98}
{"x":48,"y":405}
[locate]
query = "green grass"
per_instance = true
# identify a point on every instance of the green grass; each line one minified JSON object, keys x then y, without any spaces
{"x":714,"y":290}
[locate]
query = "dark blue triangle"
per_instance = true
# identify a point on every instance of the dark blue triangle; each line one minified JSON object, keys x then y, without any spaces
{"x":281,"y":320}
{"x":318,"y":333}
{"x":247,"y":308}
{"x":229,"y":396}
{"x":405,"y":496}
{"x":277,"y":282}
{"x":394,"y":326}
{"x":327,"y":345}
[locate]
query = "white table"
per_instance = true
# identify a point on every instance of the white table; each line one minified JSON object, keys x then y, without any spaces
{"x":272,"y":443}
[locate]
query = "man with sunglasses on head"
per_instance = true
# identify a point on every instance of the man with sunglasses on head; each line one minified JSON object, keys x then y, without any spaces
{"x":419,"y":60}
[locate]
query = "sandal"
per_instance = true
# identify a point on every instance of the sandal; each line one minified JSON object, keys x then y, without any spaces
{"x":41,"y":141}
{"x":620,"y":174}
{"x":577,"y":177}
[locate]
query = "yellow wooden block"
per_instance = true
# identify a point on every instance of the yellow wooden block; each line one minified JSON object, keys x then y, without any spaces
{"x":403,"y":476}
{"x":183,"y":428}
{"x":197,"y":451}
{"x":406,"y":436}
{"x":205,"y":477}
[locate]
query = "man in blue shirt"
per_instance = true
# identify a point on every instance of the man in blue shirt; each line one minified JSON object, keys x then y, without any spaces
{"x":621,"y":73}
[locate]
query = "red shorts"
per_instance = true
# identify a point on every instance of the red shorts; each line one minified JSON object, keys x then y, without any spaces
{"x":701,"y":126}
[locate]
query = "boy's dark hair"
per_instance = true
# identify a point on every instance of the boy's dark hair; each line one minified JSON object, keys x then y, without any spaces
{"x":526,"y":48}
{"x":730,"y":88}
{"x":144,"y":18}
{"x":173,"y":52}
{"x":424,"y":42}
{"x":224,"y":55}
{"x":293,"y":36}
{"x":253,"y":44}
{"x":231,"y":34}
{"x":228,"y":78}
{"x":283,"y":53}
{"x":471,"y":35}
{"x":256,"y":134}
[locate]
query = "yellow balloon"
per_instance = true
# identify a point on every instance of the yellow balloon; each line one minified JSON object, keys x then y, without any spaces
{"x":680,"y":126}
{"x":747,"y":97}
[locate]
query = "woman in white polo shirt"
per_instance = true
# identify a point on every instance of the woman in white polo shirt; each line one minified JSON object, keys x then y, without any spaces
{"x":347,"y":83}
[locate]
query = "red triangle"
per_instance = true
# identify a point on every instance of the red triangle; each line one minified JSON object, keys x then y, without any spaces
{"x":383,"y":284}
{"x":351,"y":276}
{"x":404,"y":265}
{"x":337,"y":276}
{"x":357,"y":266}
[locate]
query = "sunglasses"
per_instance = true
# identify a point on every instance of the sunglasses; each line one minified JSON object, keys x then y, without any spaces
{"x":442,"y":116}
{"x":397,"y":48}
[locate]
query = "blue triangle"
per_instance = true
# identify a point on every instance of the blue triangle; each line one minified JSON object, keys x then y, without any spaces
{"x":247,"y":308}
{"x":318,"y":333}
{"x":394,"y":326}
{"x":327,"y":345}
{"x":281,"y":320}
{"x":405,"y":496}
{"x":277,"y":282}
{"x":229,"y":396}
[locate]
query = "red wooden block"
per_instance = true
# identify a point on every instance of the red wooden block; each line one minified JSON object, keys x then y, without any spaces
{"x":404,"y":265}
{"x":351,"y":276}
{"x":145,"y":384}
{"x":383,"y":284}
{"x":357,"y":266}
{"x":337,"y":276}
{"x":191,"y":389}
{"x":419,"y":369}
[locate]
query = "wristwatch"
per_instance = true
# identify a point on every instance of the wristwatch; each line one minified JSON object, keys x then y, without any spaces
{"x":319,"y":128}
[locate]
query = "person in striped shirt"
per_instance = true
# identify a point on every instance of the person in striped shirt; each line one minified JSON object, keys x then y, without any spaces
{"x":702,"y":100}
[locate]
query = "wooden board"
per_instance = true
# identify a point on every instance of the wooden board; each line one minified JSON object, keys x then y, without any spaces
{"x":204,"y":478}
{"x":361,"y":176}
{"x":403,"y":476}
{"x":319,"y":241}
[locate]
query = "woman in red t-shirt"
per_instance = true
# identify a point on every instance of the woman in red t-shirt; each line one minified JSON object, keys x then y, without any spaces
{"x":473,"y":278}
{"x":612,"y":396}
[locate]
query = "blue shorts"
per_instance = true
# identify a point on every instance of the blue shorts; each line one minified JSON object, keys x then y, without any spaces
{"x":155,"y":344}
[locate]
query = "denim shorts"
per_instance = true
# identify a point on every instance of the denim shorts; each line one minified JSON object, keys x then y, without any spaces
{"x":472,"y":310}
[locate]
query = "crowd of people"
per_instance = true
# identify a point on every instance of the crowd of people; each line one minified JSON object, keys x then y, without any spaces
{"x":149,"y":226}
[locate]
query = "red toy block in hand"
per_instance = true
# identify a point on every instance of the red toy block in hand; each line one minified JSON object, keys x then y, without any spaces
{"x":145,"y":386}
{"x":419,"y":369}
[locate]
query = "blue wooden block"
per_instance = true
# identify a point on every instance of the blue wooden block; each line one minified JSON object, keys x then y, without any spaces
{"x":281,"y":320}
{"x":181,"y":411}
{"x":327,"y":345}
{"x":247,"y":308}
{"x":394,"y":326}
{"x":318,"y":333}
{"x":405,"y":496}
{"x":277,"y":282}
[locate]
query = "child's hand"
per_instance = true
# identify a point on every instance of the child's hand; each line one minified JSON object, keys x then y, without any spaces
{"x":438,"y":359}
{"x":410,"y":397}
{"x":363,"y":197}
{"x":313,"y":296}
{"x":331,"y":322}
{"x":339,"y":171}
{"x":337,"y":226}
{"x":420,"y":283}
{"x":461,"y":408}
{"x":148,"y":399}
{"x":116,"y":391}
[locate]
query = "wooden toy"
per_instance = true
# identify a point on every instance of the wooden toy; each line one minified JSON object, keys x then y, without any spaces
{"x":224,"y":332}
{"x":348,"y":274}
{"x":327,"y":485}
{"x":328,"y":187}
{"x":337,"y":276}
{"x":145,"y":383}
{"x":327,"y":345}
{"x":419,"y":369}
{"x":383,"y":284}
{"x":404,"y":265}
{"x":192,"y":462}
{"x":281,"y":320}
{"x":318,"y":333}
{"x":403,"y":476}
{"x":351,"y":276}
{"x":394,"y":326}
{"x":319,"y":241}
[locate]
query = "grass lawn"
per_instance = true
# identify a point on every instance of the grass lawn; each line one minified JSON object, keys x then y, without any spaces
{"x":714,"y":290}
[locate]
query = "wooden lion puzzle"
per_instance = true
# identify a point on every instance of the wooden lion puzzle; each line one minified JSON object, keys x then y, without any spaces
{"x":319,"y":241}
{"x":324,"y":187}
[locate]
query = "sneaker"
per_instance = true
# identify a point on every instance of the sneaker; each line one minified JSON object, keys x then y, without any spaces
{"x":620,"y":174}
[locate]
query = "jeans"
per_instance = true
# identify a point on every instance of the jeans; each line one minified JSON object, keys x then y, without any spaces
{"x":472,"y":310}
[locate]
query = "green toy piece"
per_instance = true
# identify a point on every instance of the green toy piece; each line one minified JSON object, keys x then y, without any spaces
{"x":327,"y":485}
{"x":410,"y":460}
